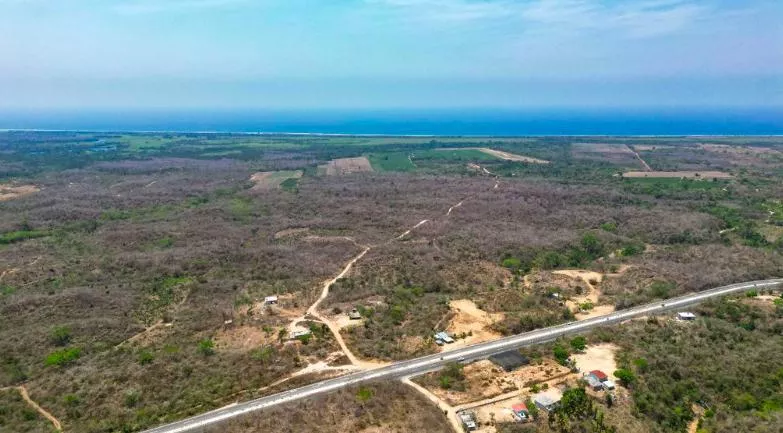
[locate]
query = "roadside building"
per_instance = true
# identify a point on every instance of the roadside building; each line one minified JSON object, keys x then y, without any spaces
{"x":444,"y":337}
{"x":468,"y":420}
{"x":509,"y":361}
{"x":270,"y":300}
{"x":299,"y":333}
{"x":547,"y":401}
{"x":520,"y":412}
{"x":686,"y":315}
{"x":354,"y":314}
{"x":599,"y":375}
{"x":593,"y":383}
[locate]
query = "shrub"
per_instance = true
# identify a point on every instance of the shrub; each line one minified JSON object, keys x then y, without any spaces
{"x":625,"y":376}
{"x":578,"y":343}
{"x":364,"y":394}
{"x":561,"y":354}
{"x":61,"y":336}
{"x":145,"y":357}
{"x":132,"y":398}
{"x":206,"y":347}
{"x":63,"y":357}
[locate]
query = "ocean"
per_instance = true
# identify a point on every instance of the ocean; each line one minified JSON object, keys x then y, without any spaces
{"x":440,"y":122}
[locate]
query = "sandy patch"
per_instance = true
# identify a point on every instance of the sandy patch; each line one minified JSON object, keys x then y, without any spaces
{"x":265,"y":180}
{"x":597,"y":357}
{"x":591,"y":279}
{"x":493,"y":413}
{"x":616,"y":148}
{"x":746,"y":150}
{"x":470,"y":319}
{"x":343,"y":321}
{"x":291,"y":232}
{"x":343,"y":166}
{"x":244,"y":337}
{"x":486,"y":380}
{"x":679,"y":174}
{"x":511,"y":157}
{"x":648,"y":148}
{"x":11,"y":192}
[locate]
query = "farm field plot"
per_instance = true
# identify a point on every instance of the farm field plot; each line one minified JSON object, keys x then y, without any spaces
{"x":678,"y":174}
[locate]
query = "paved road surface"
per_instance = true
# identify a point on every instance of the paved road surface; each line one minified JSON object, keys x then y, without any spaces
{"x":429,"y":363}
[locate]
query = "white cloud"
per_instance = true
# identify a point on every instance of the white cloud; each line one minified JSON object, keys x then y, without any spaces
{"x":152,"y":6}
{"x":637,"y":18}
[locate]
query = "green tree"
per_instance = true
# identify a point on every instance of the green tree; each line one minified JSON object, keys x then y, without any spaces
{"x":561,"y":354}
{"x":578,"y":343}
{"x":625,"y":376}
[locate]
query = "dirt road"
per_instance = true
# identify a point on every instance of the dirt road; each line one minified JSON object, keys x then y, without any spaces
{"x":644,"y":163}
{"x":26,"y":397}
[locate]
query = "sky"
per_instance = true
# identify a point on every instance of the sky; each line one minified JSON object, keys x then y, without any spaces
{"x":321,"y":54}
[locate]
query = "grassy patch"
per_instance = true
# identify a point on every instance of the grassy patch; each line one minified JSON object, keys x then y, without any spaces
{"x":393,"y":161}
{"x":22,"y":235}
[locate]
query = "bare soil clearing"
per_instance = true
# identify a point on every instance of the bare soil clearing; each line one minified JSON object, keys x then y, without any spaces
{"x":246,"y":337}
{"x":266,"y":180}
{"x":591,"y":279}
{"x":511,"y":157}
{"x":743,"y":150}
{"x":11,"y":192}
{"x":343,"y":166}
{"x":678,"y":174}
{"x":469,"y":319}
{"x":650,"y":148}
{"x":597,"y":357}
{"x":486,"y":381}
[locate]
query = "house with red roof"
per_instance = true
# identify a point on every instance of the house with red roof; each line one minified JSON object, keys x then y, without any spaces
{"x":599,"y":375}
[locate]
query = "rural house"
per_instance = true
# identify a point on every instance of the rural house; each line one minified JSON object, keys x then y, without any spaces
{"x":685,"y":315}
{"x":599,"y":375}
{"x":443,"y":337}
{"x":520,"y":412}
{"x":593,"y":383}
{"x":547,"y":401}
{"x":270,"y":300}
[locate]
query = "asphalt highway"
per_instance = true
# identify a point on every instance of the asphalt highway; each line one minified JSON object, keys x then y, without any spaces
{"x":428,"y":363}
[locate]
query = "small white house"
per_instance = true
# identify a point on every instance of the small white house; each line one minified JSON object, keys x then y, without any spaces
{"x":299,"y":333}
{"x":685,"y":315}
{"x":444,"y":337}
{"x":270,"y":300}
{"x":608,"y":385}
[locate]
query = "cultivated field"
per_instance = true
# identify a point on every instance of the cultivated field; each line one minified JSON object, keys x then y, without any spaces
{"x":678,"y":174}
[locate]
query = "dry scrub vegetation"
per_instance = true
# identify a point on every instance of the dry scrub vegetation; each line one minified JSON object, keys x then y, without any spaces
{"x":388,"y":407}
{"x":131,"y":284}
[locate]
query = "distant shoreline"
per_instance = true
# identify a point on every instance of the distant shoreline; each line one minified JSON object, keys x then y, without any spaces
{"x":327,"y":134}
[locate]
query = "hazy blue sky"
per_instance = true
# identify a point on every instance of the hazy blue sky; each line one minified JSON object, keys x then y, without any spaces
{"x":390,"y":53}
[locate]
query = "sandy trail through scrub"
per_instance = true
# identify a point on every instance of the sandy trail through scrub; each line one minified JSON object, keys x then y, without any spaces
{"x":26,"y":397}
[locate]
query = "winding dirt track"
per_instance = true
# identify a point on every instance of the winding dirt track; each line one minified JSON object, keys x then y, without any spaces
{"x":26,"y":397}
